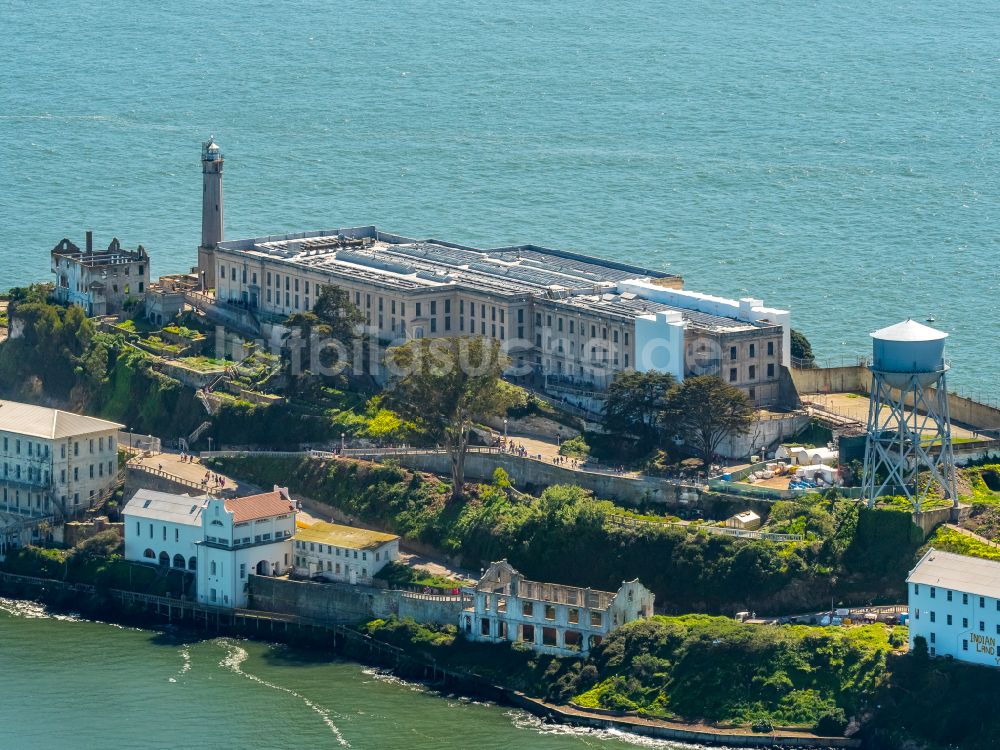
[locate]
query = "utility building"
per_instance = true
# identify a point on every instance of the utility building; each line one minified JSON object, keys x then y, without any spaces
{"x":548,"y":617}
{"x":343,"y":553}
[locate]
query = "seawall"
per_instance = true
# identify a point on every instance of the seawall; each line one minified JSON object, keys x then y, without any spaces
{"x":342,"y":603}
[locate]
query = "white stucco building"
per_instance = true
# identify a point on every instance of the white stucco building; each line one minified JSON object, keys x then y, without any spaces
{"x":244,"y":535}
{"x":342,"y":553}
{"x":222,"y":541}
{"x":164,"y":529}
{"x":954,"y":604}
{"x":548,"y":617}
{"x":53,"y":462}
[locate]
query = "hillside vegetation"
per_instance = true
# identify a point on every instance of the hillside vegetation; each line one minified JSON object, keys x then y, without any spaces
{"x":862,"y":555}
{"x":694,"y":668}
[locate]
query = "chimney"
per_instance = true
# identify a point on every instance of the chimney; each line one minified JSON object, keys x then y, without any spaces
{"x":90,"y":241}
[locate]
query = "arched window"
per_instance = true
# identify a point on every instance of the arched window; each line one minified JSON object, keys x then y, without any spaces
{"x":164,"y":559}
{"x":179,"y":561}
{"x":212,"y":567}
{"x":150,"y":554}
{"x":193,"y":563}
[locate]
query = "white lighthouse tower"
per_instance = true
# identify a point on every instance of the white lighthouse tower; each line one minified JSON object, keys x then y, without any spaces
{"x":211,"y":210}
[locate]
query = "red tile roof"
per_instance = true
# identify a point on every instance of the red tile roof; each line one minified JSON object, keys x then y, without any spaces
{"x":252,"y":507}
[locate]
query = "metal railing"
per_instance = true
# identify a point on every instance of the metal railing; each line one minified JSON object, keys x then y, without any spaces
{"x":629,"y":521}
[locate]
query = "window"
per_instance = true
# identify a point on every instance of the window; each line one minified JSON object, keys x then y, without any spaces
{"x":965,"y":623}
{"x":595,"y":619}
{"x":213,"y":568}
{"x":753,"y":372}
{"x":753,"y":350}
{"x":243,"y":570}
{"x":732,"y":352}
{"x":550,"y":612}
{"x":916,"y":589}
{"x":949,"y":619}
{"x":982,"y":602}
{"x":574,"y":616}
{"x":982,"y":626}
{"x":933,"y":637}
{"x":933,"y":617}
{"x":732,"y":374}
{"x":418,"y":309}
{"x":933,"y":593}
{"x":528,"y":610}
{"x":965,"y":598}
{"x":965,"y":645}
{"x":770,"y":370}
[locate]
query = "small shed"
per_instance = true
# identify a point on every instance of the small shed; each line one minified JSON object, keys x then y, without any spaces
{"x":747,"y":520}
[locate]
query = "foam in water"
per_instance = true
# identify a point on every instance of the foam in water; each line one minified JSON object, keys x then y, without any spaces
{"x":34,"y":611}
{"x":233,"y":661}
{"x":524,"y":720}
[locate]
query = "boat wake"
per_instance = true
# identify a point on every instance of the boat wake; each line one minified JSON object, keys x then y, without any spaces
{"x":233,"y":661}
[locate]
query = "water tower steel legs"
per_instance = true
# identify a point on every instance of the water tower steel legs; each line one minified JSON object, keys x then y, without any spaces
{"x":901,"y":442}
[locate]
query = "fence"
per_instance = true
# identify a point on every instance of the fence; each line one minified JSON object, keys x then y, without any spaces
{"x":629,"y":521}
{"x":135,"y":441}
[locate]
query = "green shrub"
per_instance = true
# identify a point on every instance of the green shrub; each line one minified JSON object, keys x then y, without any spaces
{"x":575,"y":448}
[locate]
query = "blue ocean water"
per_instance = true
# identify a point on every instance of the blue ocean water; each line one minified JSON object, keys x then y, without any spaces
{"x":840,"y":159}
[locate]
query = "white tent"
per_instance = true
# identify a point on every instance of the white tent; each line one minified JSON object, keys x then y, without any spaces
{"x":826,"y":473}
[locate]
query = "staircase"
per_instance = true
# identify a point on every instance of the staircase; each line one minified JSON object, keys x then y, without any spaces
{"x":193,"y":437}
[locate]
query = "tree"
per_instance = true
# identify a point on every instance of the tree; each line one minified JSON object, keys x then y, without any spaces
{"x":704,"y":411}
{"x":802,"y":349}
{"x":443,"y":384}
{"x":634,"y":402}
{"x":333,"y":316}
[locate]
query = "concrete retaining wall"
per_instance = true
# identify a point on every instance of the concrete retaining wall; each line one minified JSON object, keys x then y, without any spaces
{"x":929,"y":520}
{"x":336,"y":602}
{"x":858,"y":379}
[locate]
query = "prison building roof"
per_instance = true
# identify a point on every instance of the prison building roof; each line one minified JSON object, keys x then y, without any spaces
{"x":48,"y":424}
{"x":349,"y":537}
{"x":629,"y":306}
{"x":409,"y":263}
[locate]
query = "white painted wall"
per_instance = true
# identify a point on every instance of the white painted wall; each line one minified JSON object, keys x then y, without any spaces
{"x":747,"y":308}
{"x":972,"y":634}
{"x":659,"y":343}
{"x":143,"y":534}
{"x":73,"y":469}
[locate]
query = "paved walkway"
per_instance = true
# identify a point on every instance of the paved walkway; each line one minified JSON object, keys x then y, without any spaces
{"x":193,"y":472}
{"x":972,"y":535}
{"x":856,"y":406}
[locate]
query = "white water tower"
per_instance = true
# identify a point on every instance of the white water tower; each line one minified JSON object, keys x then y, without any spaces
{"x":909,"y":429}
